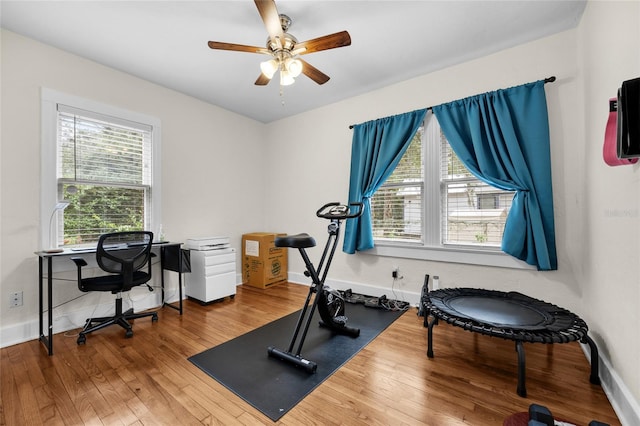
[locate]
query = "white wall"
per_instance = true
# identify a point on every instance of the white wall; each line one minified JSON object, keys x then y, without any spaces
{"x":596,"y":206}
{"x":202,"y":146}
{"x":610,"y":54}
{"x":278,"y":182}
{"x":318,"y":161}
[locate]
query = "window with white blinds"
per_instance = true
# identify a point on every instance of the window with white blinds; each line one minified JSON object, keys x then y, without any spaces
{"x":397,"y":206}
{"x":104,"y":169}
{"x":432,"y":200}
{"x":473,"y":211}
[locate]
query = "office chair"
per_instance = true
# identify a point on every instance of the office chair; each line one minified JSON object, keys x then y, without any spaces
{"x":123,"y":255}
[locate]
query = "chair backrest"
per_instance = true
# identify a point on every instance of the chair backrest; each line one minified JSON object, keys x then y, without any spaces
{"x":124,"y":252}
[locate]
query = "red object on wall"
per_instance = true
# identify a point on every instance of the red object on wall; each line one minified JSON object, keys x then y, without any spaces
{"x":610,"y":148}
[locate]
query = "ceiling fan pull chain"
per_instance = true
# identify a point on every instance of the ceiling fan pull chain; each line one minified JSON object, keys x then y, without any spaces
{"x":282,"y":95}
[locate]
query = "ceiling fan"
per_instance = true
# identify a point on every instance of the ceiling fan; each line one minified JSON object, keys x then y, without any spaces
{"x":284,"y":48}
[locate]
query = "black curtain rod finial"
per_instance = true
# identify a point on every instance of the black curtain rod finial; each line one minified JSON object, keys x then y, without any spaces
{"x":546,"y":80}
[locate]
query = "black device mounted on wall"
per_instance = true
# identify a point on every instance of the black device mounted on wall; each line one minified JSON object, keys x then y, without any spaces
{"x":629,"y":119}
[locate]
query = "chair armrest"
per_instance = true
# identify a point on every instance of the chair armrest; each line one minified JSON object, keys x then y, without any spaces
{"x":79,"y":261}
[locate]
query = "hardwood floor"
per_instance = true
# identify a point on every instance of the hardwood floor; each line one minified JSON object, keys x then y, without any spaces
{"x":147,"y":380}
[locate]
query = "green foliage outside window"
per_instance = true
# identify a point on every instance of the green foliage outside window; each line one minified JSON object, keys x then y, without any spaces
{"x":95,"y":210}
{"x":105,"y":174}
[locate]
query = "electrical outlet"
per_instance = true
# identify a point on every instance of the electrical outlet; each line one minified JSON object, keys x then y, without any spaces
{"x":395,"y":273}
{"x":15,"y":299}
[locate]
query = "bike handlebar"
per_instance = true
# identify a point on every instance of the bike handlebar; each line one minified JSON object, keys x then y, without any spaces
{"x":339,"y":211}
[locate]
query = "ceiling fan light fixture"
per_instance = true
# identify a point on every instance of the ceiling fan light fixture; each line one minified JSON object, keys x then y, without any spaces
{"x":286,"y":79}
{"x":294,"y":66}
{"x":269,"y":68}
{"x":283,"y":48}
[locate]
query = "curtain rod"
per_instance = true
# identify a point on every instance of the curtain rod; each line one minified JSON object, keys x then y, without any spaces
{"x":546,"y":80}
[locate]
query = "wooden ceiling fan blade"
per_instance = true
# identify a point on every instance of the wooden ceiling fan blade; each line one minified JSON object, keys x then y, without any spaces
{"x":313,"y":73}
{"x":237,"y":47}
{"x":271,"y":18}
{"x":262,"y":80}
{"x":330,"y":41}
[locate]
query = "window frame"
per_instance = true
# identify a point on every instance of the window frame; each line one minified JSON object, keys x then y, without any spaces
{"x":431,"y":247}
{"x":49,"y":151}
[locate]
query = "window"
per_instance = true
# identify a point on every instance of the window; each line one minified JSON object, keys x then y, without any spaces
{"x":102,"y":160}
{"x":432,"y":202}
{"x":397,"y":206}
{"x":474,"y":213}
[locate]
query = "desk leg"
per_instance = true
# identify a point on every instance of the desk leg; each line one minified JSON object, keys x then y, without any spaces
{"x":180,"y":284}
{"x":162,"y":275}
{"x":48,"y":339}
{"x":177,"y":308}
{"x":180,"y":267}
{"x":40,"y":296}
{"x":50,"y":303}
{"x":162,"y":269}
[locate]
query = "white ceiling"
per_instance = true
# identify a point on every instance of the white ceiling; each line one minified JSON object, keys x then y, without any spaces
{"x":165,"y":42}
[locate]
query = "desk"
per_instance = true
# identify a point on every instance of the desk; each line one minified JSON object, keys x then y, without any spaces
{"x":172,"y":258}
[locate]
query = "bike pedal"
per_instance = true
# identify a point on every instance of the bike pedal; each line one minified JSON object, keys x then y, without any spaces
{"x":342,"y":320}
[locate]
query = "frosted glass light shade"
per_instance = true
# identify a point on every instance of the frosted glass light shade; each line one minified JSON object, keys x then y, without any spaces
{"x":286,"y":79}
{"x":294,"y":66}
{"x":269,"y":68}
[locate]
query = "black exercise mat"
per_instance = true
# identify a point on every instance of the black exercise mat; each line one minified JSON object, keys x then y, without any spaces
{"x":273,"y":386}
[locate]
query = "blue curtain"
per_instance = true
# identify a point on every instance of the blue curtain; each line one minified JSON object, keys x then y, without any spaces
{"x":376,"y":149}
{"x":503,"y":139}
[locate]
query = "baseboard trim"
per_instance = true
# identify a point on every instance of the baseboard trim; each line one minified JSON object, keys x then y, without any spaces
{"x":29,"y":330}
{"x":14,"y":334}
{"x":625,"y":406}
{"x":402,"y":295}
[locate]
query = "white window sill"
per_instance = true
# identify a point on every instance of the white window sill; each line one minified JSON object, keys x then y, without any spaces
{"x":470,"y":255}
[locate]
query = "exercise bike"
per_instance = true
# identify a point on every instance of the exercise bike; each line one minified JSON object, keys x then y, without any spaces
{"x":330,"y":303}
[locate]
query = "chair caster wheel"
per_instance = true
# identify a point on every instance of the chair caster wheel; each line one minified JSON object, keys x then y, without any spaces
{"x":82,"y":339}
{"x":154,"y":318}
{"x":128,"y":334}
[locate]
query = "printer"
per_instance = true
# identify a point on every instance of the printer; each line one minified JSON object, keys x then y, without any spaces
{"x":207,"y":243}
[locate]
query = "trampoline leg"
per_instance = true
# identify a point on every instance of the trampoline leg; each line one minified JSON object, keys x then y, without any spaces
{"x":522,"y":389}
{"x":433,"y":322}
{"x":595,"y":360}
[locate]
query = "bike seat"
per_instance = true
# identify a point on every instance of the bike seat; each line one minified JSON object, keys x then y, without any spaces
{"x":298,"y":241}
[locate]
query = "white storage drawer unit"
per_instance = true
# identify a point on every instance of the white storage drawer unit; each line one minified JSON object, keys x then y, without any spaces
{"x":213,"y":275}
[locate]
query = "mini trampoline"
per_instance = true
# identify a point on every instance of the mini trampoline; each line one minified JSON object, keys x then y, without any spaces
{"x":508,"y":315}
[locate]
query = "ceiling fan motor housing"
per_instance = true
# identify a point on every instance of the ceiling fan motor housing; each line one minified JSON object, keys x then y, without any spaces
{"x":287,"y":44}
{"x":289,"y":41}
{"x":285,"y":22}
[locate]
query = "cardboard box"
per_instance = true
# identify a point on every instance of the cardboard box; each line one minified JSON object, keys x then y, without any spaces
{"x":263,"y":264}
